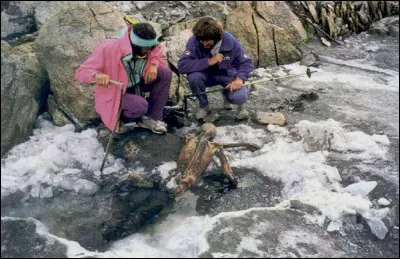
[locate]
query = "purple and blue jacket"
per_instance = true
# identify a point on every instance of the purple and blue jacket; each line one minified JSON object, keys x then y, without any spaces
{"x":236,"y":62}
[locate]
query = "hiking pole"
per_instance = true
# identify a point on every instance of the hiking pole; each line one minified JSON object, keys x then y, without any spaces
{"x":121,"y":85}
{"x":308,"y":73}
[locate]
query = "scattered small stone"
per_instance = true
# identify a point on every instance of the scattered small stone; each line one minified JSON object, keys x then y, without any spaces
{"x":383,"y":202}
{"x":325,"y":42}
{"x":276,"y":118}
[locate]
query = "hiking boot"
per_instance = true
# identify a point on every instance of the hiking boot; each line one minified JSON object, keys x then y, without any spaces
{"x":153,"y":125}
{"x":227,"y":105}
{"x":201,"y":113}
{"x":242,"y":113}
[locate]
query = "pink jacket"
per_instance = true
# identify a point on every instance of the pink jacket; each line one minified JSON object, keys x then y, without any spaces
{"x":106,"y":58}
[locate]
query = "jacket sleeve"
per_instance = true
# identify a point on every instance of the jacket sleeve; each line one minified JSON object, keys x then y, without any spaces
{"x":243,"y":63}
{"x":190,"y":61}
{"x":157,"y":56}
{"x":94,"y":64}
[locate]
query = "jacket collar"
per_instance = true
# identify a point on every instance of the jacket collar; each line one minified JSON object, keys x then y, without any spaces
{"x":227,"y":42}
{"x":125,"y":43}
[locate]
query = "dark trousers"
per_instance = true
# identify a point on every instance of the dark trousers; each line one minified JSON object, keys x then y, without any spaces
{"x":198,"y":81}
{"x":134,"y":106}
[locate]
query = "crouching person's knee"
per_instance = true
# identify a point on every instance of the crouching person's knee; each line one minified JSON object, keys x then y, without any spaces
{"x":165,"y":74}
{"x":134,"y":107}
{"x":237,"y":97}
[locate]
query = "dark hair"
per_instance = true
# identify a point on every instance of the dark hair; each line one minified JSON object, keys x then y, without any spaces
{"x":207,"y":28}
{"x":144,"y":31}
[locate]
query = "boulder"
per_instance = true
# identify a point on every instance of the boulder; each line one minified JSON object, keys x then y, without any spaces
{"x":22,"y":81}
{"x":240,"y":23}
{"x":269,"y":32}
{"x":17,"y":19}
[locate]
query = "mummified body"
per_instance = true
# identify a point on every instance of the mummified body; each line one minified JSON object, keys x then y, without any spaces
{"x":197,"y":153}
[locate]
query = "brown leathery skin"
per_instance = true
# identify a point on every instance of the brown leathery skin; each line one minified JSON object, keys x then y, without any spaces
{"x":197,"y":154}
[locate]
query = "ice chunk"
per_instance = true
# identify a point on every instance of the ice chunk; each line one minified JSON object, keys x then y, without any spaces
{"x":377,"y":227}
{"x":45,"y":192}
{"x":383,"y":202}
{"x":35,"y":191}
{"x":335,"y":225}
{"x":361,"y":188}
{"x":66,"y":182}
{"x":382,"y":139}
{"x":84,"y":186}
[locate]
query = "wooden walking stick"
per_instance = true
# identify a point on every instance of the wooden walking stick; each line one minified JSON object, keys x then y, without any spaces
{"x":121,"y":85}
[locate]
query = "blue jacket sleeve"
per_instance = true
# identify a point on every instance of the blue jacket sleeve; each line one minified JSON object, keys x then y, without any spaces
{"x":243,"y":63}
{"x":190,"y":61}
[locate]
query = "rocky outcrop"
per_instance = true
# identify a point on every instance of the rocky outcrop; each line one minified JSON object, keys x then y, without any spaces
{"x":22,"y":84}
{"x":385,"y":26}
{"x":269,"y":32}
{"x":17,"y":19}
{"x":337,"y":19}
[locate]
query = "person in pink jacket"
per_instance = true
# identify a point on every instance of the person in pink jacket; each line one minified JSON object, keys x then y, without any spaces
{"x":136,"y":60}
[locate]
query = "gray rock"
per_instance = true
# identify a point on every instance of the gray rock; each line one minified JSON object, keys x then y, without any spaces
{"x":310,"y":59}
{"x":276,"y":118}
{"x":394,"y":31}
{"x":17,"y":19}
{"x":20,"y":238}
{"x":44,"y":10}
{"x":22,"y":81}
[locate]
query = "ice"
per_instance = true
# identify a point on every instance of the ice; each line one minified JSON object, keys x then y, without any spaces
{"x":361,"y":188}
{"x":334,"y":225}
{"x":45,"y":192}
{"x":377,"y":227}
{"x":383,"y":202}
{"x":85,"y":187}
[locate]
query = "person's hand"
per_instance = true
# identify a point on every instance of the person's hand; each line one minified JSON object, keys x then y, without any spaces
{"x":235,"y":84}
{"x":217,"y":58}
{"x":102,"y":79}
{"x":150,"y":75}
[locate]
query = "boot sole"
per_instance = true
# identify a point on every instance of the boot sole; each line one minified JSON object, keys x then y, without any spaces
{"x":156,"y":132}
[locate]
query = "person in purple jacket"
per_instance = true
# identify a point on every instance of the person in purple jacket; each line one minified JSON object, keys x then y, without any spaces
{"x":213,"y":56}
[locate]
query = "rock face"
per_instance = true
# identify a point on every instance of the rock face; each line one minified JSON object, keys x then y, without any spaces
{"x":385,"y":26}
{"x":64,"y":42}
{"x":22,"y":81}
{"x":342,"y":18}
{"x":17,"y":19}
{"x":269,"y":32}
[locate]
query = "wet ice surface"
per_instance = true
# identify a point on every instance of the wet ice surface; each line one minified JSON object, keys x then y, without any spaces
{"x":326,"y":184}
